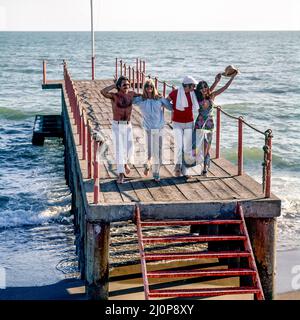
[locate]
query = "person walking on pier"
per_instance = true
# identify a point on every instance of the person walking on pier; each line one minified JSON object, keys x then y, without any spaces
{"x":122,"y":134}
{"x":185,"y":104}
{"x":151,"y":104}
{"x":204,"y":124}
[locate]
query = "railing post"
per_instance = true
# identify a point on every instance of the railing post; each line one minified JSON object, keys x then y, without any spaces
{"x":137,"y":64}
{"x":121,"y":68}
{"x":269,"y":164}
{"x":116,"y":68}
{"x":124,"y":66}
{"x":138,"y":81}
{"x":156,"y":82}
{"x":129,"y":74}
{"x":143,"y":80}
{"x":218,"y":132}
{"x":240,"y":147}
{"x":44,"y":71}
{"x":83,"y":129}
{"x":93,"y":68}
{"x":89,"y":152}
{"x":164,"y":89}
{"x":144,"y":67}
{"x":80,"y":116}
{"x":96,"y":173}
{"x":133,"y":79}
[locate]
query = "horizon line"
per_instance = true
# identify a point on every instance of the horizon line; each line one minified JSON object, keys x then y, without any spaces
{"x":282,"y":30}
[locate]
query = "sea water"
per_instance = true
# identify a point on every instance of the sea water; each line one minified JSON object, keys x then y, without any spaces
{"x":36,"y":231}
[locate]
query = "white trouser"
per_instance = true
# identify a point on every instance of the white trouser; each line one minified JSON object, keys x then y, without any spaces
{"x":183,"y":133}
{"x":154,"y":138}
{"x":123,"y":144}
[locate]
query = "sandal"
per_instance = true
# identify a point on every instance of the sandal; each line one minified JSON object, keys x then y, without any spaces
{"x":156,"y":177}
{"x":204,"y":173}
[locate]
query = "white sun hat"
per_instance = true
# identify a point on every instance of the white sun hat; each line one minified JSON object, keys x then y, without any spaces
{"x":189,"y":80}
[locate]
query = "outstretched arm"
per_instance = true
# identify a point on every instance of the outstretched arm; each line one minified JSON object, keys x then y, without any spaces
{"x":217,"y":92}
{"x":106,"y":93}
{"x":217,"y":80}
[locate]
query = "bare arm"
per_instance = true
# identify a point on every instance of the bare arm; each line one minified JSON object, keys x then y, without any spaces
{"x":106,"y":93}
{"x":217,"y":80}
{"x":217,"y":92}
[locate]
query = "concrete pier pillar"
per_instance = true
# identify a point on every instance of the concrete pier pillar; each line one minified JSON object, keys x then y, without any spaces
{"x":262,"y":233}
{"x":97,"y":258}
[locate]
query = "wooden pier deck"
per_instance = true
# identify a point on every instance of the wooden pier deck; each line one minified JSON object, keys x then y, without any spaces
{"x":222,"y":185}
{"x":198,"y":197}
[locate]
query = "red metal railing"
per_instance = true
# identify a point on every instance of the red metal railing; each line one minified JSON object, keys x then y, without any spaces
{"x":140,"y":73}
{"x":85,"y":132}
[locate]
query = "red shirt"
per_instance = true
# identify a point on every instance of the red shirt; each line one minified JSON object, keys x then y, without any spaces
{"x":182,"y":116}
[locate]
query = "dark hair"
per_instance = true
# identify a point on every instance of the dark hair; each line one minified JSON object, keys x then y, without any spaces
{"x":198,"y":92}
{"x":119,"y":82}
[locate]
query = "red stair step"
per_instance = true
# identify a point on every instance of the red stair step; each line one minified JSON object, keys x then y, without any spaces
{"x":196,"y":255}
{"x":167,"y":293}
{"x":188,"y":238}
{"x":188,"y":222}
{"x":201,"y":273}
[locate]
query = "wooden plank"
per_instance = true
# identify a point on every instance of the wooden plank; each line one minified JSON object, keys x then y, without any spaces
{"x":155,"y":189}
{"x":231,"y":183}
{"x":170,"y":186}
{"x":184,"y":187}
{"x":140,"y":188}
{"x":110,"y":191}
{"x":249,"y":183}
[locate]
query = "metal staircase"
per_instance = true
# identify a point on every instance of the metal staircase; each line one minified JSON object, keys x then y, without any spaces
{"x":233,"y":246}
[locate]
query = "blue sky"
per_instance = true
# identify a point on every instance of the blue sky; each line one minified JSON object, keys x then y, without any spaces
{"x":173,"y":15}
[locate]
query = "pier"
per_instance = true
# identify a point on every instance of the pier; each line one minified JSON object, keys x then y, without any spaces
{"x":98,"y":202}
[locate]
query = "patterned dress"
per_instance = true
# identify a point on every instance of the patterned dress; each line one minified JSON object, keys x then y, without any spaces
{"x":205,"y":122}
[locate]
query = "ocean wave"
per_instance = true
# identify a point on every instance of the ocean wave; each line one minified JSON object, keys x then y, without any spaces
{"x":254,"y":154}
{"x":11,"y":218}
{"x":13,"y":114}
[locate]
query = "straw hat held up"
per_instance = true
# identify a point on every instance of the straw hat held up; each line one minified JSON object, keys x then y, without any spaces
{"x":230,"y":71}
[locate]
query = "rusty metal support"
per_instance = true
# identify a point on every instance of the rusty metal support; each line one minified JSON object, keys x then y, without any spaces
{"x":97,"y":260}
{"x":262,"y":233}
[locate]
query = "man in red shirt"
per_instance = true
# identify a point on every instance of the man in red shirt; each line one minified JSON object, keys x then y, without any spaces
{"x":185,"y":104}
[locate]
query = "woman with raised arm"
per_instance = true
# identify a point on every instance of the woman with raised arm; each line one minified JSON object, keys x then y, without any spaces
{"x":205,"y":119}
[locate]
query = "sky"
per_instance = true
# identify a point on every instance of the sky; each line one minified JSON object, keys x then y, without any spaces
{"x":141,"y":15}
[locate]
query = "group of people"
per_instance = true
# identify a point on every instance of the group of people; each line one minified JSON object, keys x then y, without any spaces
{"x":192,"y":107}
